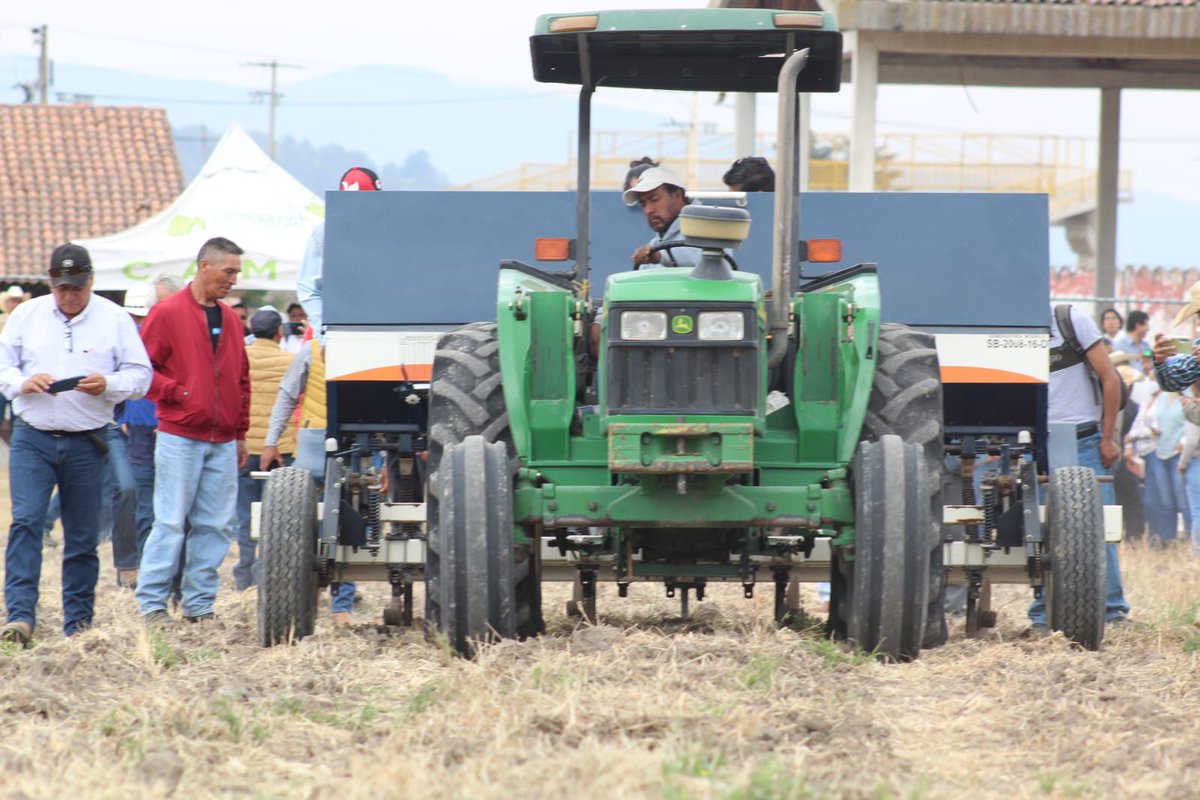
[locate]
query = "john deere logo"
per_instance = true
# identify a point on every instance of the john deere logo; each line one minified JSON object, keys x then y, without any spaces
{"x":681,"y":324}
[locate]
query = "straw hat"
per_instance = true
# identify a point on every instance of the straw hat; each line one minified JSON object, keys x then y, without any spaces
{"x":1193,"y":304}
{"x":1128,"y":374}
{"x":1119,"y":357}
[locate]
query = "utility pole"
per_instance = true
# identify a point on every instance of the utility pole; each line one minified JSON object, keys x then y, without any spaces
{"x":272,"y":98}
{"x":41,"y":36}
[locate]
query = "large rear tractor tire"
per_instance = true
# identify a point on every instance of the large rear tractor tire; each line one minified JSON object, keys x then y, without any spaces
{"x":1075,"y":582}
{"x":886,"y":586}
{"x":287,"y":582}
{"x":466,"y":399}
{"x":470,"y":577}
{"x":906,"y":400}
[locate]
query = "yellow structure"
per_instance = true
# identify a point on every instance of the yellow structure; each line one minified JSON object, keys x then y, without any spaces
{"x":1059,"y":166}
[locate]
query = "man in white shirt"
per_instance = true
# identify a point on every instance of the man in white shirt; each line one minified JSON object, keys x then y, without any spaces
{"x":1084,"y":391}
{"x":66,"y":360}
{"x":661,"y":195}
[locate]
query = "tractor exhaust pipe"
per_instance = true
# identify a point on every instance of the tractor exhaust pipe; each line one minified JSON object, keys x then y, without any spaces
{"x":783,"y":250}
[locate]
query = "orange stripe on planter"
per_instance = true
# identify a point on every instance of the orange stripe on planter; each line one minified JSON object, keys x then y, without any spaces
{"x":396,"y":372}
{"x":984,"y":375}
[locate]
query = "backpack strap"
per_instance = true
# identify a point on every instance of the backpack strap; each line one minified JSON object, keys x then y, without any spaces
{"x":1070,"y":352}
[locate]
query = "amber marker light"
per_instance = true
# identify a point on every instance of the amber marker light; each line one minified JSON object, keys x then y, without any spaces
{"x":799,"y":21}
{"x":552,"y":249}
{"x":572,"y":24}
{"x":824,"y":251}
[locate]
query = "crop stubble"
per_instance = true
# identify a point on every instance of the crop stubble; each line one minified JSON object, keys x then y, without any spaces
{"x":641,"y":705}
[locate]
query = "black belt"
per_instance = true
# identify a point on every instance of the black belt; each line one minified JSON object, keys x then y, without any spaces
{"x":96,"y":435}
{"x":1086,"y":429}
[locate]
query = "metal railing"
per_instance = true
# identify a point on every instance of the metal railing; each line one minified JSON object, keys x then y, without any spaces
{"x":1061,"y":167}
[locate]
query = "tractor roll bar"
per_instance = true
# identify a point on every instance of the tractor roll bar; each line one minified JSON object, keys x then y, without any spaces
{"x":783,"y":248}
{"x":583,"y":186}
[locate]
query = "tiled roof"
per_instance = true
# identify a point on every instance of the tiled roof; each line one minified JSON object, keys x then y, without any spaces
{"x":70,"y":172}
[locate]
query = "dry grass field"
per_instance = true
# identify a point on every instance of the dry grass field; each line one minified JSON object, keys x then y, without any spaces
{"x":725,"y":706}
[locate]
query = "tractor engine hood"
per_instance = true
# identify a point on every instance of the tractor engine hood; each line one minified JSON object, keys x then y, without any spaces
{"x":676,"y":284}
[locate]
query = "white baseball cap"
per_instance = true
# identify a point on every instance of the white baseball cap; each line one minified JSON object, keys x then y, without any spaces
{"x":650,"y":179}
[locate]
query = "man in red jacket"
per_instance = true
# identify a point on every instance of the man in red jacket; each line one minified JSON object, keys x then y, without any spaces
{"x":202,"y":390}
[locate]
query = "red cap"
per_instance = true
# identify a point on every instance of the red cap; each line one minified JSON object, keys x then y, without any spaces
{"x":360,"y":179}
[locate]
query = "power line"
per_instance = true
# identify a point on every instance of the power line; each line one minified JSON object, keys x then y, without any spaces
{"x":175,"y":46}
{"x":272,"y":97}
{"x":125,"y":98}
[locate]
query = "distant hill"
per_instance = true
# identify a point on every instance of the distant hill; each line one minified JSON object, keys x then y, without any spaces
{"x":316,"y":167}
{"x":387,"y":113}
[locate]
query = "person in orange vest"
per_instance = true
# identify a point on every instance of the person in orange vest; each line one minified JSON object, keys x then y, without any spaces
{"x":268,"y":364}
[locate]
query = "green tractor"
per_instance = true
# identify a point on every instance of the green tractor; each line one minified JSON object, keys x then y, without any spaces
{"x":697,"y":426}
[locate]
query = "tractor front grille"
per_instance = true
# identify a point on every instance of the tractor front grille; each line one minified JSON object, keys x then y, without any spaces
{"x":666,"y":379}
{"x":680,"y":372}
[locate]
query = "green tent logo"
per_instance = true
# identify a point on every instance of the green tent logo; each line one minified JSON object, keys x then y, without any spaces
{"x":681,"y":323}
{"x":182,"y":226}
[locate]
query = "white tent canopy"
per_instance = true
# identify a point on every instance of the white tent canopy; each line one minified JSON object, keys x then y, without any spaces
{"x":240,"y":194}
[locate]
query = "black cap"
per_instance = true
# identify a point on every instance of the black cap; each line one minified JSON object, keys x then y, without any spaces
{"x":70,"y":263}
{"x":265,"y":322}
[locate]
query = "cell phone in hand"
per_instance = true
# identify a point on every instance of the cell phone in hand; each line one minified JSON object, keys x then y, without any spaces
{"x":64,"y":384}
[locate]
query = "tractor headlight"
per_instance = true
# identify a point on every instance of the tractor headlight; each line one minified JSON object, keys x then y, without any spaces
{"x":644,"y":326}
{"x":722,"y":326}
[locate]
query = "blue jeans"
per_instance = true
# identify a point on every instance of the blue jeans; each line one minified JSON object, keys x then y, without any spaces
{"x":195,"y":482}
{"x":341,"y":597}
{"x":118,"y":501}
{"x":37,"y":462}
{"x":1114,"y":595}
{"x":121,"y":499}
{"x":249,"y":490}
{"x":1191,"y":481}
{"x":1165,"y":498}
{"x":310,"y":455}
{"x":143,"y":476}
{"x":245,"y":572}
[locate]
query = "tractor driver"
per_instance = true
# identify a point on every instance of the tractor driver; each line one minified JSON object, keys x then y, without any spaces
{"x":662,"y":195}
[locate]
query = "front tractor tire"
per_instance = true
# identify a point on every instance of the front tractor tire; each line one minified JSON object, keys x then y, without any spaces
{"x":1075,"y":582}
{"x":466,"y":401}
{"x":287,"y":581}
{"x":469,"y":574}
{"x":885,"y":588}
{"x":906,"y":400}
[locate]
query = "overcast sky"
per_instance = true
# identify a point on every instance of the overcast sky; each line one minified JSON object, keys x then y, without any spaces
{"x":486,"y":41}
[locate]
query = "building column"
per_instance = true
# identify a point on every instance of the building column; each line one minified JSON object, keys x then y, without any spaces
{"x":745,"y":128}
{"x":865,"y":82}
{"x":1106,"y":192}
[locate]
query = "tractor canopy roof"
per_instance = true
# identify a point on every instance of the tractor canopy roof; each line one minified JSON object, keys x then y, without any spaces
{"x":708,"y":50}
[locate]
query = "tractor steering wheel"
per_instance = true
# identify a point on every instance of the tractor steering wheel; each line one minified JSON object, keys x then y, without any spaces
{"x":661,"y":246}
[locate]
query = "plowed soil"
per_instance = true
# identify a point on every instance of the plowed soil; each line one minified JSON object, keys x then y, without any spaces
{"x":641,"y":705}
